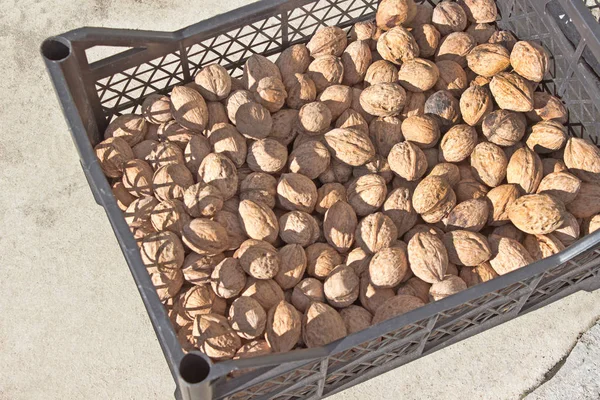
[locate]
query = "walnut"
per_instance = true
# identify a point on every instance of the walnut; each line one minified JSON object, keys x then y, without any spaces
{"x":253,"y":120}
{"x":267,"y":155}
{"x":267,"y":292}
{"x":270,"y":93}
{"x":164,"y":154}
{"x":562,"y":185}
{"x":189,"y":108}
{"x":582,"y":158}
{"x":512,"y":92}
{"x":504,"y":128}
{"x":375,"y":232}
{"x":341,"y":287}
{"x":505,"y":38}
{"x":329,"y":40}
{"x":445,"y":107}
{"x":525,"y":170}
{"x":470,"y":215}
{"x":200,"y":300}
{"x":235,"y":101}
{"x":293,"y":60}
{"x":169,"y":215}
{"x":489,"y":163}
{"x":339,"y":226}
{"x":215,"y":338}
{"x":167,"y":283}
{"x":298,"y":227}
{"x":214,"y":82}
{"x":139,"y":211}
{"x":467,"y":189}
{"x":367,"y":193}
{"x":284,"y":327}
{"x":569,"y":232}
{"x":415,"y":104}
{"x":297,"y":192}
{"x":537,"y":214}
{"x":131,"y":128}
{"x":383,"y":99}
{"x":458,"y":143}
{"x":259,"y":221}
{"x":122,"y":195}
{"x":466,"y":248}
{"x":325,"y":71}
{"x":217,"y":114}
{"x":301,"y":89}
{"x":488,"y":59}
{"x":452,"y":77}
{"x":381,"y":71}
{"x":258,"y":259}
{"x":292,"y":265}
{"x":307,"y":291}
{"x":378,"y":165}
{"x":259,"y":187}
{"x":500,"y":198}
{"x":196,"y":150}
{"x":219,"y":171}
{"x":336,"y":172}
{"x":449,"y":172}
{"x":228,"y":279}
{"x":481,"y":32}
{"x":385,"y":132}
{"x":450,"y":285}
{"x":226,"y":140}
{"x":508,"y":255}
{"x":395,"y":306}
{"x":397,"y":45}
{"x":197,"y":268}
{"x":349,"y":146}
{"x":449,"y":17}
{"x":321,"y":324}
{"x":530,"y":60}
{"x":338,"y":98}
{"x":351,"y":119}
{"x":422,"y":130}
{"x":418,"y":75}
{"x":427,"y":38}
{"x":547,"y":108}
{"x":455,"y":47}
{"x":328,"y":195}
{"x":113,"y":153}
{"x":433,"y":198}
{"x":314,"y":118}
{"x":371,"y":297}
{"x":356,"y":318}
{"x":256,"y":68}
{"x":391,"y":13}
{"x":322,"y":258}
{"x":542,"y":246}
{"x":205,"y":236}
{"x":156,"y":109}
{"x":171,"y":181}
{"x":310,"y":159}
{"x":356,"y":60}
{"x":407,"y":160}
{"x":388,"y":267}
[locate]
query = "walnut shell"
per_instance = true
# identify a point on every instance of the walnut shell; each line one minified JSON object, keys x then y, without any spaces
{"x":397,"y":45}
{"x":415,"y":287}
{"x":399,"y":209}
{"x":489,"y":164}
{"x":530,"y":60}
{"x":267,"y":155}
{"x":298,"y":227}
{"x":587,"y":202}
{"x":247,"y":318}
{"x":219,"y":171}
{"x":322,"y":258}
{"x":569,"y":231}
{"x":448,"y":171}
{"x":232,"y":224}
{"x":449,"y":17}
{"x":470,"y":215}
{"x":591,"y":224}
{"x":508,"y":255}
{"x":512,"y":92}
{"x":450,"y":285}
{"x":328,"y":195}
{"x":256,"y":68}
{"x":162,"y":251}
{"x":480,"y":11}
{"x":284,"y":126}
{"x":385,"y":132}
{"x":476,"y":275}
{"x":427,"y":38}
{"x":363,"y":30}
{"x":329,"y":40}
{"x":488,"y":59}
{"x":338,"y":98}
{"x":258,"y":259}
{"x":122,"y":195}
{"x":300,"y":90}
{"x":466,"y":248}
{"x":293,"y":263}
{"x":196,"y":150}
{"x":367,"y":193}
{"x":200,"y":300}
{"x":217,"y":114}
{"x":215,"y":338}
{"x":349,"y":146}
{"x":142,"y":150}
{"x":259,"y":221}
{"x":395,"y":306}
{"x":356,"y":60}
{"x":423,"y":228}
{"x":297,"y":192}
{"x":468,"y":189}
{"x":444,"y":107}
{"x":310,"y":159}
{"x":383,"y":99}
{"x":433,"y":198}
{"x":375,"y":232}
{"x":458,"y":143}
{"x":270,"y":93}
{"x":213,"y":82}
{"x":336,"y":172}
{"x":171,"y":181}
{"x":169,"y":215}
{"x":339,"y":226}
{"x":113,"y":153}
{"x":542,"y":246}
{"x":422,"y":130}
{"x":267,"y":292}
{"x":510,"y":231}
{"x":359,"y":260}
{"x":325,"y":71}
{"x":504,"y":128}
{"x":525,"y":170}
{"x":322,"y":325}
{"x":505,"y":38}
{"x":284,"y":327}
{"x":202,"y":200}
{"x":551,"y":165}
{"x":205,"y":236}
{"x":381,"y":71}
{"x":189,"y":108}
{"x":546,"y":137}
{"x":293,"y":60}
{"x":562,"y":185}
{"x":167,"y":283}
{"x":259,"y":187}
{"x":537,"y":214}
{"x":167,"y":153}
{"x":139,"y":211}
{"x":253,"y":120}
{"x":452,"y":77}
{"x":582,"y":158}
{"x":197,"y":268}
{"x":475,"y":105}
{"x":407,"y":160}
{"x":356,"y":318}
{"x":341,"y":287}
{"x":500,"y":198}
{"x":156,"y":109}
{"x":547,"y":108}
{"x":314,"y":118}
{"x":391,"y":13}
{"x":428,"y":257}
{"x":309,"y":290}
{"x":418,"y":75}
{"x":131,"y":128}
{"x":388,"y":267}
{"x":137,"y":178}
{"x":455,"y":47}
{"x":371,"y":297}
{"x":228,"y":279}
{"x":235,"y":101}
{"x":423,"y":15}
{"x":481,"y":32}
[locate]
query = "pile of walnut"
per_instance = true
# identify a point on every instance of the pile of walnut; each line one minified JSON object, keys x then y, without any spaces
{"x":355,"y":179}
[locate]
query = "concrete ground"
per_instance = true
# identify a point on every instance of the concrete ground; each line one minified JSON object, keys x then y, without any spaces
{"x":73,"y":324}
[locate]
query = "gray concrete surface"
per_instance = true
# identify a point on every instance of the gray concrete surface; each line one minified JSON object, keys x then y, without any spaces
{"x":73,"y":325}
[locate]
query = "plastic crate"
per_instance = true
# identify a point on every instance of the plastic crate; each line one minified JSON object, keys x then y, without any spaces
{"x":92,"y":93}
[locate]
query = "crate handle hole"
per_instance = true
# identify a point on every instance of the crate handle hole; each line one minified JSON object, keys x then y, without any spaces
{"x":194,"y":368}
{"x":55,"y":50}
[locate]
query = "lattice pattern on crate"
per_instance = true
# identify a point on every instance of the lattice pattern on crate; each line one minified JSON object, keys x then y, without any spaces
{"x":124,"y":92}
{"x":448,"y":331}
{"x":304,"y":21}
{"x":279,"y":383}
{"x":231,"y":49}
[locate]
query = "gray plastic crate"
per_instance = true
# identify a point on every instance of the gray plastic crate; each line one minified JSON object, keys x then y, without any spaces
{"x":92,"y":93}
